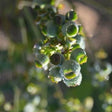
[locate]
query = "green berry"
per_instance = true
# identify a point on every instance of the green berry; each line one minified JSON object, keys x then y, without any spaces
{"x":70,"y":29}
{"x":73,"y":82}
{"x":57,"y":59}
{"x":55,"y":74}
{"x":80,"y":41}
{"x":70,"y":69}
{"x":70,"y":74}
{"x":71,"y":15}
{"x":41,"y":60}
{"x":59,"y":19}
{"x":51,"y":29}
{"x":79,"y":55}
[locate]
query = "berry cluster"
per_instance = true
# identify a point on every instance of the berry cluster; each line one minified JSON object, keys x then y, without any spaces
{"x":62,"y":49}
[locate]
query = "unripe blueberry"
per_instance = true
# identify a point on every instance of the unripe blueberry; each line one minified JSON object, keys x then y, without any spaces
{"x":71,"y":69}
{"x":73,"y":82}
{"x":57,"y":59}
{"x":55,"y":74}
{"x":80,"y":41}
{"x":79,"y":55}
{"x":70,"y":29}
{"x":59,"y":19}
{"x":41,"y":60}
{"x":51,"y":29}
{"x":71,"y":15}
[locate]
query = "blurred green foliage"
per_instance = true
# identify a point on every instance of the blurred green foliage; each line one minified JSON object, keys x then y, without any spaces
{"x":25,"y":88}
